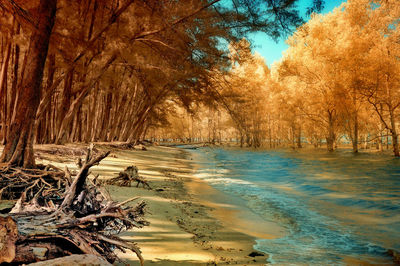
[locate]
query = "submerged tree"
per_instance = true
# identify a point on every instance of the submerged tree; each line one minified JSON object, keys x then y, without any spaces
{"x":337,"y":76}
{"x":244,"y":89}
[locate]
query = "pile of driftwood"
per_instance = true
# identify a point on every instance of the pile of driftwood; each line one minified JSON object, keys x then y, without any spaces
{"x":60,"y":213}
{"x":45,"y":181}
{"x":127,"y":177}
{"x":59,"y":153}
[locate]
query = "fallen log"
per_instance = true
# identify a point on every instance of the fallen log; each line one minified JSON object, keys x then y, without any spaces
{"x":127,"y":177}
{"x":72,"y":218}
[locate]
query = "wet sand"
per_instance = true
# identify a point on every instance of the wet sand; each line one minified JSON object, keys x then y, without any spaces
{"x":191,"y":223}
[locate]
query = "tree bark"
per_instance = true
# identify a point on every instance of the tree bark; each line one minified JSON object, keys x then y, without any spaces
{"x":19,"y":148}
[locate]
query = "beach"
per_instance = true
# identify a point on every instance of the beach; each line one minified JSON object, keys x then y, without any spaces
{"x":219,"y":206}
{"x":191,"y":223}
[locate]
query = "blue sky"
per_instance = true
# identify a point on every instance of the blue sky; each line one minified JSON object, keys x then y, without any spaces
{"x":271,"y":50}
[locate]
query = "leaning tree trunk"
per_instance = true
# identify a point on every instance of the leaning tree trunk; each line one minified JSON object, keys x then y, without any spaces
{"x":19,"y":147}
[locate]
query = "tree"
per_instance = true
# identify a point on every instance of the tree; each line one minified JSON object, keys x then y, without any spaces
{"x":244,"y":92}
{"x":317,"y":77}
{"x":380,"y":80}
{"x":337,"y":76}
{"x":180,"y":41}
{"x":19,"y":145}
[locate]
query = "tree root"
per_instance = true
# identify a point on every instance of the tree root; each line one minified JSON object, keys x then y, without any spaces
{"x":15,"y":181}
{"x":127,"y":177}
{"x":56,"y":215}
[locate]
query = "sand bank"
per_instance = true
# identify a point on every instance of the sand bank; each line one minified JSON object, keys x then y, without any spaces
{"x":191,"y":223}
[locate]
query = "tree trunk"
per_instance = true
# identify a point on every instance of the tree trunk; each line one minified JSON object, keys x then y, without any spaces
{"x":65,"y":99}
{"x":105,"y":124}
{"x":299,"y":146}
{"x":395,"y":141}
{"x":42,"y":124}
{"x":3,"y":88}
{"x":77,"y":103}
{"x":13,"y":91}
{"x":19,"y":148}
{"x":330,"y":139}
{"x":121,"y":103}
{"x":292,"y":135}
{"x":380,"y":138}
{"x":355,"y":134}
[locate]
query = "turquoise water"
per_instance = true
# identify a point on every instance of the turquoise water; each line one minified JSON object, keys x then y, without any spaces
{"x":337,"y":207}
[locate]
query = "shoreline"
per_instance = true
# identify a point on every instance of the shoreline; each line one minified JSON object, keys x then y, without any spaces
{"x":196,"y":234}
{"x":191,"y":223}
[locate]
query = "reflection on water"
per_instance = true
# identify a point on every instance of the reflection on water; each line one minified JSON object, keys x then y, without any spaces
{"x":338,"y":207}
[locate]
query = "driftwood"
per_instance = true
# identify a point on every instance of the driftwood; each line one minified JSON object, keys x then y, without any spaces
{"x":74,"y":217}
{"x":45,"y":179}
{"x":138,"y":145}
{"x":129,"y":175}
{"x":74,"y":260}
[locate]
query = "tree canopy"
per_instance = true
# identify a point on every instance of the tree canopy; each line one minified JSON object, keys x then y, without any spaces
{"x":111,"y":67}
{"x":337,"y":82}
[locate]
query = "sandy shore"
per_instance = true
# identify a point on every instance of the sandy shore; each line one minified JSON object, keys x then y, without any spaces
{"x":191,"y":223}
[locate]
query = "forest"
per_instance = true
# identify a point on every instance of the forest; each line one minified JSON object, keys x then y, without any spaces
{"x":107,"y":71}
{"x":154,"y":71}
{"x":119,"y":71}
{"x":337,"y":83}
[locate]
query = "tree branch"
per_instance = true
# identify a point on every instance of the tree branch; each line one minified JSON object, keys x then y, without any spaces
{"x":147,"y":33}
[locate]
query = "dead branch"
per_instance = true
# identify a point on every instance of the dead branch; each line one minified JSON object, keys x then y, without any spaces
{"x":129,"y":175}
{"x":57,"y":215}
{"x":77,"y":184}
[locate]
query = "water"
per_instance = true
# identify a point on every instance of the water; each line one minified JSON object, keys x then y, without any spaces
{"x":338,"y":208}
